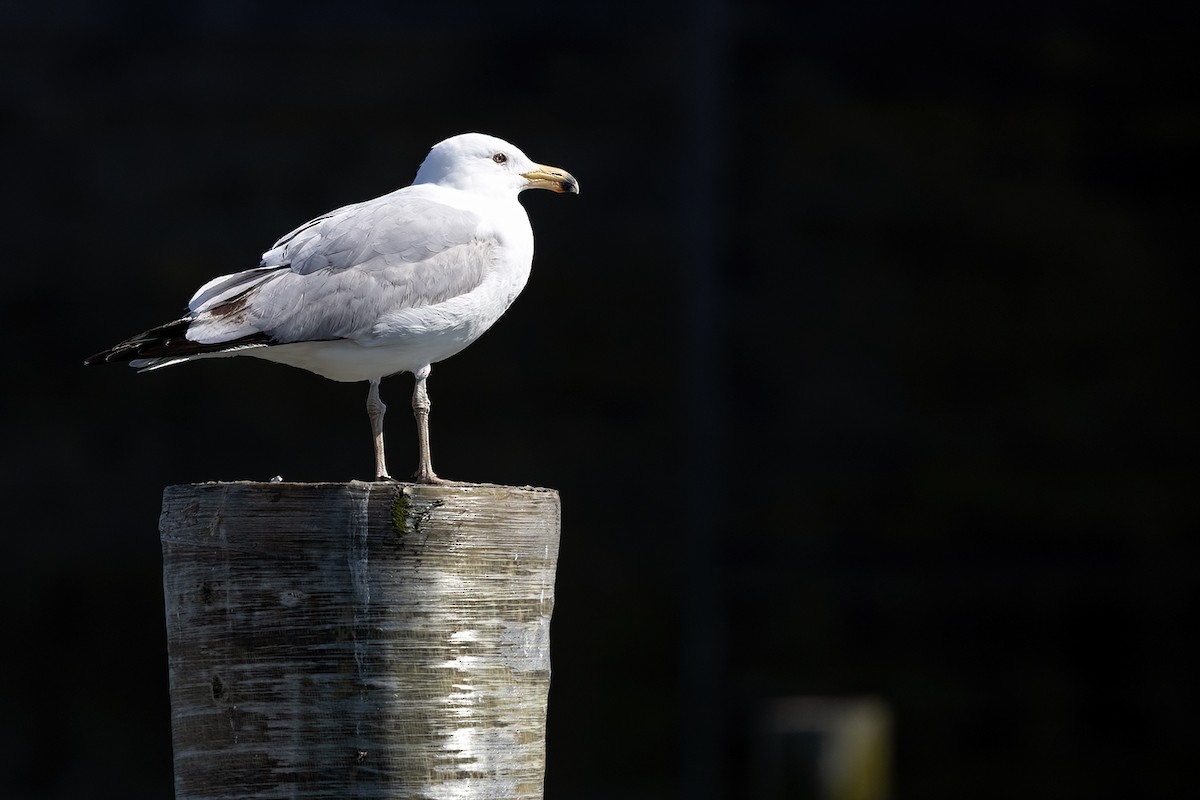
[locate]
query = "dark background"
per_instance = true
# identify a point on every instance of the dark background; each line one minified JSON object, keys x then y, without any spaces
{"x":859,"y":364}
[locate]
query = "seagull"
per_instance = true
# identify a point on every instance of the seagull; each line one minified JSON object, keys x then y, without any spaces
{"x":390,"y":285}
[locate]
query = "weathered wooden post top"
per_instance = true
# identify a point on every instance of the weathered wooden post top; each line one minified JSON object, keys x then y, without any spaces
{"x":359,"y":640}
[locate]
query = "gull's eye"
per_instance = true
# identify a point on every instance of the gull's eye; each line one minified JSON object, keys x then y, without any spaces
{"x":499,"y":158}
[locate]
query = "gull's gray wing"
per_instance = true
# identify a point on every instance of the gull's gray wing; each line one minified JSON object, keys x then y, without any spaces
{"x":335,"y":276}
{"x":395,"y":227}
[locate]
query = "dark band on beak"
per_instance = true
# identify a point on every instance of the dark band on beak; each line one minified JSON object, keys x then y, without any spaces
{"x":552,"y":178}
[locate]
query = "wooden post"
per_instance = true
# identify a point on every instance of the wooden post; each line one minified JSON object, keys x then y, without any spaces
{"x":361,"y":640}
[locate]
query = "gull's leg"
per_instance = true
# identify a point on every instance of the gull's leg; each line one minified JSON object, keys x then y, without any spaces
{"x":420,"y":406}
{"x":375,"y":410}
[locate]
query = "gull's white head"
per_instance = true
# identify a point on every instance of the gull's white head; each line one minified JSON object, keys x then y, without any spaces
{"x":477,"y":162}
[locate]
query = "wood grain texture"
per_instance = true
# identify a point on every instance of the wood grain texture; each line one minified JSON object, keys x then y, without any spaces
{"x":361,"y":640}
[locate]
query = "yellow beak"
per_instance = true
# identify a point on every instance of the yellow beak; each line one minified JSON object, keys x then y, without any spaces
{"x":552,"y":178}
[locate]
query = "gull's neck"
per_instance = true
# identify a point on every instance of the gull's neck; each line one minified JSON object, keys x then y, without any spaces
{"x":471,"y":184}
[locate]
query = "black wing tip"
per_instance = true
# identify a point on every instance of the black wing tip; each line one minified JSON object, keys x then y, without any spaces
{"x":142,"y":345}
{"x":118,"y":353}
{"x":170,"y":341}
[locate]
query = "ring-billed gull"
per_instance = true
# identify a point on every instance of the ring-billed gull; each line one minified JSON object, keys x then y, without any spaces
{"x":393,"y":284}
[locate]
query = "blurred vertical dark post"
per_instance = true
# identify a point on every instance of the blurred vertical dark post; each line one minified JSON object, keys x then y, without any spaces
{"x":704,"y":405}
